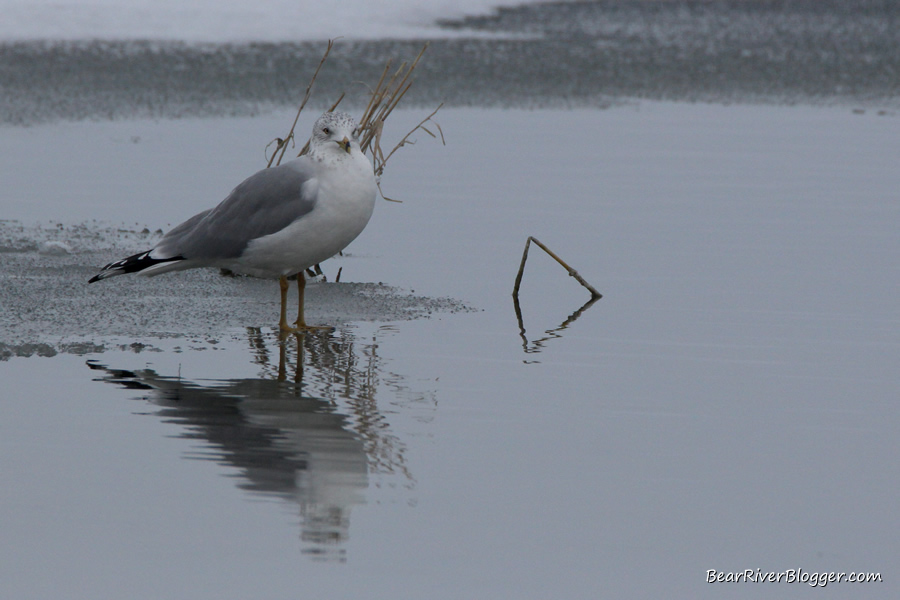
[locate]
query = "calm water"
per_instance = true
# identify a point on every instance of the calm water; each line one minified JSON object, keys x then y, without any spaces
{"x":729,"y":404}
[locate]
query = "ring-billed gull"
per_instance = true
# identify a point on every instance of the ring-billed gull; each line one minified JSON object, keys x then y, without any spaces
{"x":279,"y":221}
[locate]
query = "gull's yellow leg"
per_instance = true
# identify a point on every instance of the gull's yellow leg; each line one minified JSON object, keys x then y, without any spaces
{"x":282,"y":323}
{"x":301,"y":289}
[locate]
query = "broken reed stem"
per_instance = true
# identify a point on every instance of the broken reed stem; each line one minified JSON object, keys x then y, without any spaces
{"x":380,"y":160}
{"x":380,"y":168}
{"x":594,"y":293}
{"x":380,"y":90}
{"x":521,"y":270}
{"x":384,"y":98}
{"x":372,"y":123}
{"x":283,"y":143}
{"x":393,"y":91}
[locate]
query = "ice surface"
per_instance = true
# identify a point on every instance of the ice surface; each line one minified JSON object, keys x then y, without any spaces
{"x":229,"y":20}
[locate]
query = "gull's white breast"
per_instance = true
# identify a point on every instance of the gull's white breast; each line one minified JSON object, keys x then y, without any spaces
{"x":345,"y":198}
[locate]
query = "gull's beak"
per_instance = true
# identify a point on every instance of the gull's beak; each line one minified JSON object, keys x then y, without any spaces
{"x":345,"y":144}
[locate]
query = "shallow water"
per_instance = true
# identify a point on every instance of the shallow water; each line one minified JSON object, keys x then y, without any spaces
{"x":730,"y":403}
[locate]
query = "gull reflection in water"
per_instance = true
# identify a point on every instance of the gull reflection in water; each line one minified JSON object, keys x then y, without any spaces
{"x":309,"y":430}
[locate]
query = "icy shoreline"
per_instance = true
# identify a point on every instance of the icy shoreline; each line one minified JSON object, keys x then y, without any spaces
{"x":534,"y":56}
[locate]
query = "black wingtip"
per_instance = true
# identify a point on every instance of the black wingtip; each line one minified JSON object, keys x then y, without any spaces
{"x":132,"y":264}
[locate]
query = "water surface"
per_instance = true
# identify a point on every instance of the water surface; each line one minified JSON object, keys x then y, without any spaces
{"x":729,"y":404}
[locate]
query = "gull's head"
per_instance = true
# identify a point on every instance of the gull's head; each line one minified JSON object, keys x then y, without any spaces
{"x":334,"y":130}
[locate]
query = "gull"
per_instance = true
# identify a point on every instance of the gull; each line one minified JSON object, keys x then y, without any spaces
{"x":279,"y":221}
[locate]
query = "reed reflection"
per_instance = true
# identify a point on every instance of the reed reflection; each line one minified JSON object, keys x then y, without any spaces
{"x":309,"y":430}
{"x":534,"y":346}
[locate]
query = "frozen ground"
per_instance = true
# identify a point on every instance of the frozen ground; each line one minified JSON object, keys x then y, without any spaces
{"x":47,"y":308}
{"x":568,"y":54}
{"x":729,"y":404}
{"x":230,"y":20}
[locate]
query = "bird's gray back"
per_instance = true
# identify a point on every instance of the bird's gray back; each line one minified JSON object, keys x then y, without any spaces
{"x":264,"y":203}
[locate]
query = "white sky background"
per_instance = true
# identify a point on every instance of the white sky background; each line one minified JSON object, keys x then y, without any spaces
{"x":230,"y":20}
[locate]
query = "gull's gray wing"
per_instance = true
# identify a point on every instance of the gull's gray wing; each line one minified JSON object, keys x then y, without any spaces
{"x":264,"y":203}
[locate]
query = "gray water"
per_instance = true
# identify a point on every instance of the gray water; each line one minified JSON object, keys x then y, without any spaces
{"x":729,"y":404}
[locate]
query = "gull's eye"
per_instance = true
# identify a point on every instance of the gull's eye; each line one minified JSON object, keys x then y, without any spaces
{"x":326,"y":131}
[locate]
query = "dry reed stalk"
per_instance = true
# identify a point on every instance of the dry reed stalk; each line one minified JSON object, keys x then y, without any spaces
{"x":384,"y":98}
{"x":594,"y":293}
{"x":283,"y":143}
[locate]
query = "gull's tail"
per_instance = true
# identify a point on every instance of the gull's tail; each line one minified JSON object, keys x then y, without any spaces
{"x":135,"y":264}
